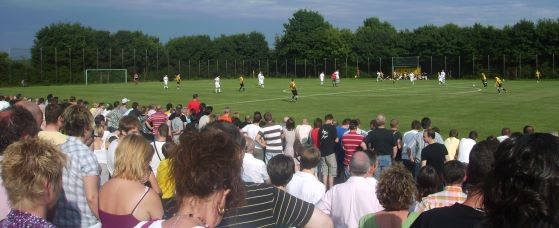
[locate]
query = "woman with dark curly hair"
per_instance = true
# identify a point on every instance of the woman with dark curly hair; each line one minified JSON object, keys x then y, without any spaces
{"x":522,"y":189}
{"x":396,"y":192}
{"x":207,"y":174}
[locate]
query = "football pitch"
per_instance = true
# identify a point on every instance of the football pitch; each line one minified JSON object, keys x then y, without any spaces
{"x":458,"y":104}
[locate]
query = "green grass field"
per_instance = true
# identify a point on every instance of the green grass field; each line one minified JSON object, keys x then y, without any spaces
{"x":457,"y":105}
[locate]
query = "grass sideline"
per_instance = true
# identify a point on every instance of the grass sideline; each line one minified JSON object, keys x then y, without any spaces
{"x":457,"y":105}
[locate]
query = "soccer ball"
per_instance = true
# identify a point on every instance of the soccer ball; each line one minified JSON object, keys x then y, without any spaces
{"x":473,"y":85}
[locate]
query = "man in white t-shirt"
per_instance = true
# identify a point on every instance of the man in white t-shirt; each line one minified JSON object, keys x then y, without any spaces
{"x":346,"y":203}
{"x":442,"y":78}
{"x":157,"y":145}
{"x":408,"y":151}
{"x":251,"y":130}
{"x":254,"y":170}
{"x":303,"y":131}
{"x":304,"y":184}
{"x":321,"y":76}
{"x":465,"y":146}
{"x":217,"y":84}
{"x":412,"y":78}
{"x":165,"y":82}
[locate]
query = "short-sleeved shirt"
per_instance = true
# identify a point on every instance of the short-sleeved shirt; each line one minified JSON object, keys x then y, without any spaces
{"x":114,"y":117}
{"x":156,"y":120}
{"x":434,"y":154}
{"x":457,"y":215}
{"x":350,"y":142}
{"x":272,"y":135}
{"x":165,"y":180}
{"x":268,"y":206}
{"x":381,"y":140}
{"x":194,"y":104}
{"x":72,"y":209}
{"x":327,"y":136}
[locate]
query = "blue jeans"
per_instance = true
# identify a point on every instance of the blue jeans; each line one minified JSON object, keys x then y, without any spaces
{"x":384,"y":161}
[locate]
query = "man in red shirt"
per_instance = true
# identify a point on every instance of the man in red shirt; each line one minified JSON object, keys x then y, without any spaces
{"x":155,"y":120}
{"x":225,"y":117}
{"x":194,"y":103}
{"x":350,"y":142}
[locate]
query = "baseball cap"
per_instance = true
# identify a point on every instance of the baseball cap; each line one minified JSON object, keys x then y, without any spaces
{"x":124,"y":100}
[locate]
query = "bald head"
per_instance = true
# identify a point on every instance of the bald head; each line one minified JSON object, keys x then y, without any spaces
{"x":380,"y":120}
{"x":360,"y":164}
{"x":34,"y":110}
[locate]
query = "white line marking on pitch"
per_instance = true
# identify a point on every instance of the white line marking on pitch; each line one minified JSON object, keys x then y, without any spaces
{"x":336,"y":93}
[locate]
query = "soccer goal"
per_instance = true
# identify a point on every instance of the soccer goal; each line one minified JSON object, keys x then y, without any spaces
{"x":403,"y":66}
{"x":99,"y":76}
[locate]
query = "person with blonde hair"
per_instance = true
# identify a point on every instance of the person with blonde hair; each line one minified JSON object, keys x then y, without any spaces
{"x":32,"y":171}
{"x":118,"y":208}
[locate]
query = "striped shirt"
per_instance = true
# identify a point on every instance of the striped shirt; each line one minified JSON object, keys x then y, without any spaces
{"x":156,"y":119}
{"x":268,"y":206}
{"x":272,"y":135}
{"x":445,"y":198}
{"x":350,"y":142}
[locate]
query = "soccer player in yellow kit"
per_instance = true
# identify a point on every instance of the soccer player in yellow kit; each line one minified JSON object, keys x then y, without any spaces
{"x":293,"y":89}
{"x":178,"y":80}
{"x":538,"y":74}
{"x":241,"y":83}
{"x":484,"y":80}
{"x":499,"y":84}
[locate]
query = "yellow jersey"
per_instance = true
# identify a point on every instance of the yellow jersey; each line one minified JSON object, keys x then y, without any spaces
{"x":241,"y":79}
{"x":537,"y":74}
{"x":483,"y":77}
{"x":178,"y":78}
{"x":292,"y":85}
{"x":498,"y":81}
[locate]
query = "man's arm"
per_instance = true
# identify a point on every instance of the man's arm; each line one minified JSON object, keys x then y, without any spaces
{"x":423,"y":163}
{"x":90,"y":184}
{"x":319,"y":220}
{"x":394,"y":152}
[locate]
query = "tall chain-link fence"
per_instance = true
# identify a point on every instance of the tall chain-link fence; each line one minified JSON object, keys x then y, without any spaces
{"x":63,"y":66}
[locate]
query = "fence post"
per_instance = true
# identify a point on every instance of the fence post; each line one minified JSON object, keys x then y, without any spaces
{"x":305,"y":68}
{"x":504,"y":66}
{"x":42,"y":64}
{"x":473,"y":65}
{"x":553,"y":64}
{"x":83,"y":63}
{"x":431,"y":67}
{"x":346,"y":66}
{"x":488,"y":65}
{"x":295,"y":71}
{"x":459,"y":67}
{"x":70,"y":56}
{"x":520,"y":64}
{"x":56,"y":64}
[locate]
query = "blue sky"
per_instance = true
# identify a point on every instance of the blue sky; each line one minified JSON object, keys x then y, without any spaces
{"x":21,"y":19}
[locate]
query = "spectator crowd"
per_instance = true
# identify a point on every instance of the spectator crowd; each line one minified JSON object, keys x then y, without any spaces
{"x":68,"y":163}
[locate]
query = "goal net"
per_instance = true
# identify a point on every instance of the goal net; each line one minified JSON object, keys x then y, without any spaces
{"x":403,"y":66}
{"x":100,"y":76}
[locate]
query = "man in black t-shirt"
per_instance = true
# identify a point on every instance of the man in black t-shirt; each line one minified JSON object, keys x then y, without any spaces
{"x":434,"y":154}
{"x":382,"y":142}
{"x":328,"y":137}
{"x":471,"y":212}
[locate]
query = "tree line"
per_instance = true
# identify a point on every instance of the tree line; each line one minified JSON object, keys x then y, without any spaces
{"x":67,"y":48}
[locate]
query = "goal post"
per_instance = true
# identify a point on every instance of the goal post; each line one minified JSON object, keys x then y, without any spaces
{"x":405,"y":65}
{"x":97,"y":76}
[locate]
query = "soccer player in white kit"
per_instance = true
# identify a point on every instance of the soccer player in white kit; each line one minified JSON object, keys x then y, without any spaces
{"x":261,"y":79}
{"x":412,"y":78}
{"x":379,"y":76}
{"x":321,"y":76}
{"x":217,"y":85}
{"x":442,"y":79}
{"x":165,"y":82}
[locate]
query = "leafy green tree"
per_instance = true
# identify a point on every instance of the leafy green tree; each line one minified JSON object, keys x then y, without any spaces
{"x":375,"y":39}
{"x":304,"y":36}
{"x":4,"y":68}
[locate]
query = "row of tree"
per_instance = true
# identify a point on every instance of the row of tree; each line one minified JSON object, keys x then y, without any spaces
{"x":307,"y":35}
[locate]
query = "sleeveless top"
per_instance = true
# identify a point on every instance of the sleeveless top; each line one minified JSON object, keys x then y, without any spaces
{"x":111,"y":220}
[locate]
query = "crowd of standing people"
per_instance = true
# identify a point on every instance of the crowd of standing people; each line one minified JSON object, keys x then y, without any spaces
{"x":65,"y":164}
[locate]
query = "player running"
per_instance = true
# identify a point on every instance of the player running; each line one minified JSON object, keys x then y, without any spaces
{"x":217,"y":84}
{"x":136,"y":78}
{"x":538,"y":74}
{"x":442,"y":78}
{"x":321,"y":76}
{"x":178,"y":80}
{"x":260,"y":79}
{"x":483,"y":80}
{"x":241,"y":83}
{"x":165,"y":82}
{"x":499,"y":84}
{"x":293,"y":89}
{"x":412,"y":78}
